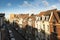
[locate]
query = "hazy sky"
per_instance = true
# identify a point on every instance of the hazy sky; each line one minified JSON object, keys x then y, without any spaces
{"x":27,"y":6}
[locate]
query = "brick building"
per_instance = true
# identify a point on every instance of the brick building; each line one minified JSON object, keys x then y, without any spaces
{"x":54,"y":23}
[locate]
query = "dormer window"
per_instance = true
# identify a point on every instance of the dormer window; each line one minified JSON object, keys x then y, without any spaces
{"x":40,"y":18}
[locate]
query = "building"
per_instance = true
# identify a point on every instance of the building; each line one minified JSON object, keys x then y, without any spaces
{"x":53,"y":24}
{"x":21,"y":19}
{"x":47,"y":23}
{"x":42,"y":24}
{"x":1,"y":22}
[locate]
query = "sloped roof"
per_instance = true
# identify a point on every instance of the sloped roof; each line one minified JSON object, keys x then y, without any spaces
{"x":22,"y":15}
{"x":46,"y":12}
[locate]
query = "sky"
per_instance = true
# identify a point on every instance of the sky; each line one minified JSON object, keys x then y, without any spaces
{"x":27,"y":6}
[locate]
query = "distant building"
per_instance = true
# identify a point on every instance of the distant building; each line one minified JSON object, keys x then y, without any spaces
{"x":21,"y":19}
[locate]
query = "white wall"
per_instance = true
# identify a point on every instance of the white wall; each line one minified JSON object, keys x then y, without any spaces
{"x":20,"y":21}
{"x":43,"y":17}
{"x":47,"y":27}
{"x":30,"y":22}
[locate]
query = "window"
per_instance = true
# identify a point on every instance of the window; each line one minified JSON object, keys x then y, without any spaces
{"x":54,"y":28}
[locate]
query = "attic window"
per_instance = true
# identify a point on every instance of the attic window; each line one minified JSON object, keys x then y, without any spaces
{"x":41,"y":18}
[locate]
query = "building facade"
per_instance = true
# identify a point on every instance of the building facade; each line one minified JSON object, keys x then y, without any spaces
{"x":47,"y":23}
